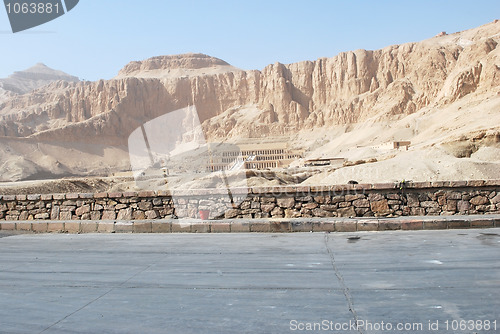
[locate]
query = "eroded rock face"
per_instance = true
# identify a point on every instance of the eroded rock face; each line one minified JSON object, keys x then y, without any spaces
{"x":350,"y":87}
{"x":185,"y":61}
{"x":32,"y":78}
{"x":380,"y":85}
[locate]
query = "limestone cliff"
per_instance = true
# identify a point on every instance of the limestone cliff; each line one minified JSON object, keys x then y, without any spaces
{"x":352,"y":87}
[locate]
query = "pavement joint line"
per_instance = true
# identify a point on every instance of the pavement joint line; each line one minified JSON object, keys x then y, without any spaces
{"x":345,"y":288}
{"x":97,"y":298}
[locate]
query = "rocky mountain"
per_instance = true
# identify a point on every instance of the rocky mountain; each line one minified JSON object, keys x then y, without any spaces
{"x":37,"y":76}
{"x":456,"y":76}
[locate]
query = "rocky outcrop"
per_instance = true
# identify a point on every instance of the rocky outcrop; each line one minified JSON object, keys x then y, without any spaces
{"x":352,"y":87}
{"x":34,"y":77}
{"x":184,"y":61}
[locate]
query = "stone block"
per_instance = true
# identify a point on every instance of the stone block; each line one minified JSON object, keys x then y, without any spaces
{"x":429,"y":204}
{"x":82,"y":210}
{"x":338,"y":199}
{"x":363,"y":212}
{"x":286,"y":203}
{"x":475,"y":183}
{"x":289,"y":213}
{"x":8,"y":226}
{"x":138,"y":215}
{"x":220,"y":227}
{"x":318,"y":212}
{"x":451,"y":205}
{"x":383,"y":186}
{"x":350,"y":198}
{"x":323,"y":226}
{"x":389,"y":225}
{"x":277,"y":212}
{"x":412,"y":225}
{"x":435,"y":225}
{"x":279,"y":226}
{"x":240,"y":226}
{"x":367,"y":225}
{"x":55,"y":227}
{"x":24,"y":226}
{"x":34,"y":197}
{"x":346,"y":212}
{"x":181,"y":227}
{"x":495,"y":199}
{"x":422,"y":185}
{"x":124,"y":227}
{"x":72,"y":196}
{"x":40,"y":227}
{"x":143,"y":227}
{"x":145,"y":194}
{"x":232,"y":213}
{"x":124,"y":214}
{"x":72,"y":227}
{"x":108,"y":215}
{"x":310,"y":206}
{"x":458,"y":184}
{"x":417,"y":211}
{"x":24,"y":215}
{"x":54,"y":213}
{"x":145,"y":206}
{"x":375,"y":197}
{"x":200,"y":227}
{"x":268,"y":199}
{"x":106,"y":227}
{"x":329,"y":207}
{"x":88,"y":227}
{"x":361,"y":203}
{"x":479,"y":200}
{"x":260,"y":227}
{"x":478,"y":223}
{"x":301,"y":226}
{"x":85,"y":216}
{"x":346,"y":226}
{"x":463,"y":206}
{"x":151,"y":214}
{"x":266,"y":208}
{"x":65,"y":215}
{"x":161,"y":227}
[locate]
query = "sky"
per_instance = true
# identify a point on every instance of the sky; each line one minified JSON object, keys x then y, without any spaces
{"x":98,"y":37}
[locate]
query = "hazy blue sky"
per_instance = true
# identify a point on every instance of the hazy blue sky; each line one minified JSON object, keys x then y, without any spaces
{"x":98,"y":37}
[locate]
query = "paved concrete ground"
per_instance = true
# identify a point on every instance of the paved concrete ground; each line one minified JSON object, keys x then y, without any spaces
{"x":249,"y":283}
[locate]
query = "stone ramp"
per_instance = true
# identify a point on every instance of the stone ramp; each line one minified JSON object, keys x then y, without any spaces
{"x":281,"y":225}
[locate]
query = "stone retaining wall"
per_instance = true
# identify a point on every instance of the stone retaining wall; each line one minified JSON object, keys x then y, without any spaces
{"x":361,"y":200}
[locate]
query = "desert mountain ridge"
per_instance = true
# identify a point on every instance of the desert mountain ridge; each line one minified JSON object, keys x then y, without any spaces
{"x":182,"y":65}
{"x":39,"y":75}
{"x":442,"y":94}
